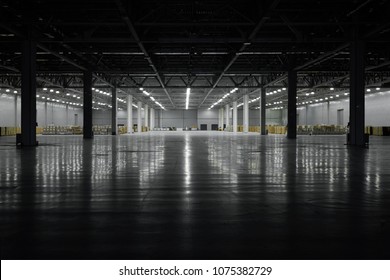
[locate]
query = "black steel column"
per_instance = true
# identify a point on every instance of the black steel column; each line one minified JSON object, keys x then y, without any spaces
{"x":357,"y":102}
{"x":114,"y":110}
{"x":87,"y":106}
{"x":29,"y":109}
{"x":262,"y":111}
{"x":292,"y":105}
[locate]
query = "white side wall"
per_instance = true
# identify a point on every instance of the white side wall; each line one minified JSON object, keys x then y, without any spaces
{"x":376,"y":111}
{"x":273,"y":117}
{"x":101,"y":117}
{"x":56,"y":113}
{"x":7,"y":111}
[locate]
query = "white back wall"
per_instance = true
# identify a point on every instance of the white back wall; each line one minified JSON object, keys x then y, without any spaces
{"x":208,"y":117}
{"x":179,"y":118}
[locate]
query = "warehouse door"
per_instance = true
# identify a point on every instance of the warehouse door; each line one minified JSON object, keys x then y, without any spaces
{"x":203,"y":127}
{"x":340,"y":117}
{"x":214,"y":127}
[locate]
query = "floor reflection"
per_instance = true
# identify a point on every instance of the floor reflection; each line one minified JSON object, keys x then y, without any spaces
{"x":195,"y":195}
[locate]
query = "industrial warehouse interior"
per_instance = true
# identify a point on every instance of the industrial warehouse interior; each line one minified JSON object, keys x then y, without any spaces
{"x":195,"y":130}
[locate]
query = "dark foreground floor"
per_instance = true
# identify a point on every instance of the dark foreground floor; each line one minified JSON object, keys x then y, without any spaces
{"x":195,"y":195}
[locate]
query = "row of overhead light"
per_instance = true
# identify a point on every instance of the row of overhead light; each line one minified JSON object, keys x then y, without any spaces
{"x":59,"y":101}
{"x":223,"y":97}
{"x":241,"y":104}
{"x":250,"y":101}
{"x":369,"y":90}
{"x":275,"y":91}
{"x":9,"y":90}
{"x":109,"y":95}
{"x":319,"y":100}
{"x":322,"y":99}
{"x":78,"y":97}
{"x":254,"y":100}
{"x":152,"y":98}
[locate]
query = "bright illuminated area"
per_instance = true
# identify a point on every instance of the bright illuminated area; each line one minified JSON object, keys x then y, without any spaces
{"x":188,"y":92}
{"x":202,"y":130}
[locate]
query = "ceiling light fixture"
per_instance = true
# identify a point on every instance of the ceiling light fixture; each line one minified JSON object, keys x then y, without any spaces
{"x":188,"y":92}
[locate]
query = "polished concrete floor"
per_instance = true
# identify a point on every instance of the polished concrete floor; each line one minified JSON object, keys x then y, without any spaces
{"x":195,"y":195}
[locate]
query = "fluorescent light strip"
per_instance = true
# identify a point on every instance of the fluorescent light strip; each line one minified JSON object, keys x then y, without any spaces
{"x":188,"y":92}
{"x":151,"y":97}
{"x":223,"y":97}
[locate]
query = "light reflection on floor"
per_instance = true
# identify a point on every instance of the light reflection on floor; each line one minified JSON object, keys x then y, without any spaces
{"x":191,"y":195}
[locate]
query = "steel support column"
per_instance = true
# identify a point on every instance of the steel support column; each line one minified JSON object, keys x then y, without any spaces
{"x":227,"y":115}
{"x":28,"y":102}
{"x":152,"y":119}
{"x":357,"y":102}
{"x":160,"y":118}
{"x":292,"y":105}
{"x":222,"y":118}
{"x":220,"y":121}
{"x":235,"y":116}
{"x":146,"y":117}
{"x":139,"y":117}
{"x":246,"y":114}
{"x":129,"y":114}
{"x":16,"y":111}
{"x":262,"y":112}
{"x":67,"y":114}
{"x":46,"y":118}
{"x":87,"y":106}
{"x":114,"y":112}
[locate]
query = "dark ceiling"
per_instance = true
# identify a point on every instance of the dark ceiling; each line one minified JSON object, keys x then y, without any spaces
{"x":210,"y":46}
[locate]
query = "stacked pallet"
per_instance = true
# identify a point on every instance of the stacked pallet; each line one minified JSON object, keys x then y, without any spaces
{"x":49,"y":130}
{"x":122,"y":129}
{"x":77,"y":130}
{"x":64,"y":130}
{"x":101,"y":129}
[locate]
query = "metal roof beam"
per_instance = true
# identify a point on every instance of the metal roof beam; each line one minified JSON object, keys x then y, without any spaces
{"x":126,"y":19}
{"x":252,"y":35}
